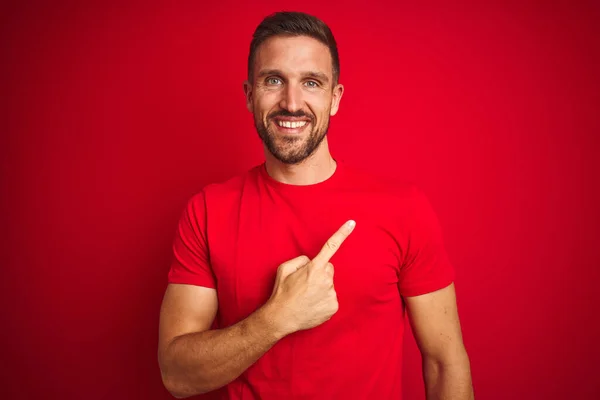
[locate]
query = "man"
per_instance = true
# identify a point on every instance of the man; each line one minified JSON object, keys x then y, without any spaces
{"x":292,"y":280}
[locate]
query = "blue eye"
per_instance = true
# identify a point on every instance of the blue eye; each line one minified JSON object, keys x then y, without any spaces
{"x":273,"y":81}
{"x":312,"y":84}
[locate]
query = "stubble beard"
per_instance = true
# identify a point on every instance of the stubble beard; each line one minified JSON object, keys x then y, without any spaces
{"x":290,"y":149}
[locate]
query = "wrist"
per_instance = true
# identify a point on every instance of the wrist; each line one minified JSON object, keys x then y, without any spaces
{"x":272,"y":317}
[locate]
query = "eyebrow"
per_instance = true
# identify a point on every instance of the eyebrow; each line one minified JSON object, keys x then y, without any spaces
{"x":310,"y":74}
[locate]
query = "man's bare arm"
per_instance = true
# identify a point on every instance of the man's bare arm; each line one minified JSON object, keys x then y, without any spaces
{"x":194,"y":359}
{"x":446,"y":366}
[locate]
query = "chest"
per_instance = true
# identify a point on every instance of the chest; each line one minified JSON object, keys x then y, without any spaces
{"x":247,"y":249}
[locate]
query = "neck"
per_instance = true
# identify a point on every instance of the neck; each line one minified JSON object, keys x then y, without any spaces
{"x":317,"y":168}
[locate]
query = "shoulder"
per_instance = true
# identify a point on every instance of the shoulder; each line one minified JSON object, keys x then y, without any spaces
{"x":224,"y":191}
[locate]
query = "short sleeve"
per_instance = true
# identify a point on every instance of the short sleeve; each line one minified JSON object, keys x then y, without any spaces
{"x":425,"y":267}
{"x":191,"y":261}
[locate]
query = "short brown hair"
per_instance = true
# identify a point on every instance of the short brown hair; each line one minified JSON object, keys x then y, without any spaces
{"x":289,"y":23}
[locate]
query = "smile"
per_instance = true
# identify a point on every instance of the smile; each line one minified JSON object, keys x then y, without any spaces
{"x":291,"y":124}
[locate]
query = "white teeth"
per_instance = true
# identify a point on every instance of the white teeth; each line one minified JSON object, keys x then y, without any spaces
{"x":288,"y":124}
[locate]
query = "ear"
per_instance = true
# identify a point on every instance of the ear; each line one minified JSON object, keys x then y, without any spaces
{"x":248,"y":93}
{"x":338,"y":92}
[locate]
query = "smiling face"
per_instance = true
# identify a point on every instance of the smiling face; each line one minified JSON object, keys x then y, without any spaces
{"x":292,"y":95}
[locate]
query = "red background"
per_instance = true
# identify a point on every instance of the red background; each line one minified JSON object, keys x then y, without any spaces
{"x":115,"y":115}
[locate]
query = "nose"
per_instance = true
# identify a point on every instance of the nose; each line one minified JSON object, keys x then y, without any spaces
{"x":292,"y":98}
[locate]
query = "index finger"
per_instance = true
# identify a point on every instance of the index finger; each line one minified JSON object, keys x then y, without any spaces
{"x":333,"y":244}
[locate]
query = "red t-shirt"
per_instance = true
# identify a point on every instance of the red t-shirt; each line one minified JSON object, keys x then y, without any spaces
{"x":233,"y":236}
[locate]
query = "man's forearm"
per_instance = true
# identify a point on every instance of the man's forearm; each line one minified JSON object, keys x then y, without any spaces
{"x":448,"y":381}
{"x":203,"y":361}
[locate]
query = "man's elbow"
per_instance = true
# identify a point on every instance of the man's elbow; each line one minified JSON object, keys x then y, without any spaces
{"x":173,"y":386}
{"x":179,"y":385}
{"x":448,"y":376}
{"x":179,"y":388}
{"x":456,"y":359}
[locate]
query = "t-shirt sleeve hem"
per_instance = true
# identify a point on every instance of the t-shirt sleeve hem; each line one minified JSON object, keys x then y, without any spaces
{"x":195,"y":281}
{"x":424,"y":289}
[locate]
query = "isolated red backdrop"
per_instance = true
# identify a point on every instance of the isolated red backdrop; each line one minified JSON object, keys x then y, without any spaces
{"x":115,"y":115}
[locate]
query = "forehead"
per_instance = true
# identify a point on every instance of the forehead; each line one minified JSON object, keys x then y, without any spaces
{"x":292,"y":54}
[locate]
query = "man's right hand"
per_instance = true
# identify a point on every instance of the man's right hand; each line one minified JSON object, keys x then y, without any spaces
{"x":303,"y":294}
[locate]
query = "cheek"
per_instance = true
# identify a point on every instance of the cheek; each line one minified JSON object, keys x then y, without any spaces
{"x":265,"y":104}
{"x":322,"y":115}
{"x":320,"y":106}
